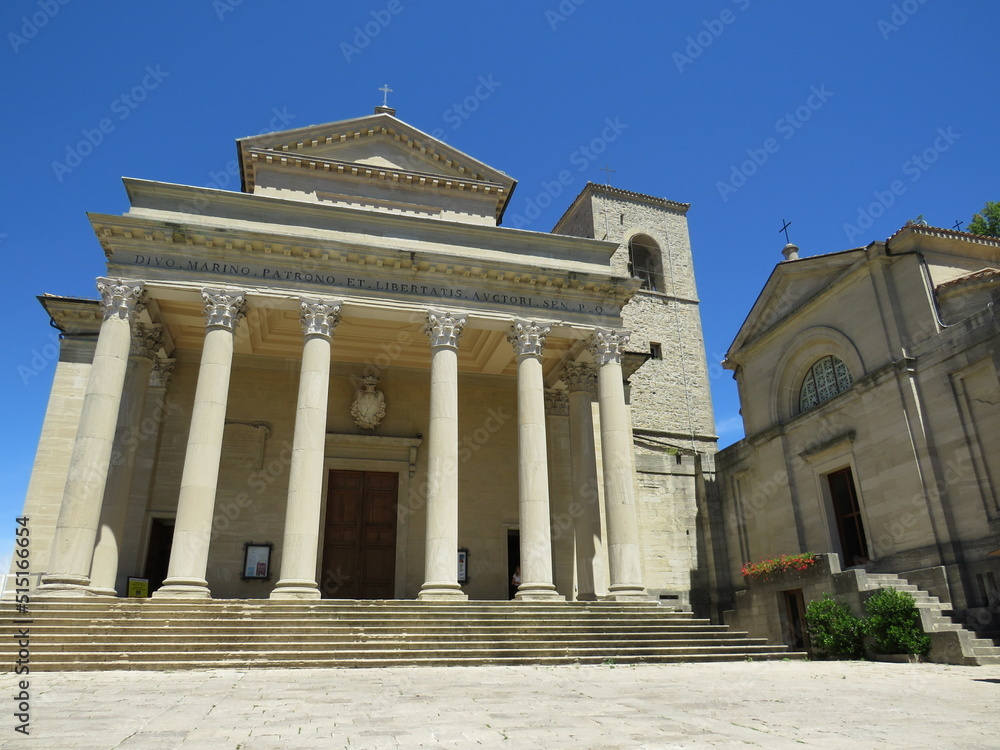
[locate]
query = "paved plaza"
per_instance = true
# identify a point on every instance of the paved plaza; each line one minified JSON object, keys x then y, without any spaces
{"x":743,"y":704}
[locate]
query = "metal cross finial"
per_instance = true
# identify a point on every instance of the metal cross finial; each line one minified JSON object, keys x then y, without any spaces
{"x":385,"y":94}
{"x":958,"y":225}
{"x":785,"y":230}
{"x":608,"y":171}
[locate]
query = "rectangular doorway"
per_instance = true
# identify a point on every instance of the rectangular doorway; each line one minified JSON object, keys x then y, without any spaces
{"x":161,"y":539}
{"x":796,"y":631}
{"x":359,"y":543}
{"x":847,"y":512}
{"x":513,"y":560}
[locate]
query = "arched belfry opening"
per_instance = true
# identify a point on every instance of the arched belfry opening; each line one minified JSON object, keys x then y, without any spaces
{"x":645,"y":262}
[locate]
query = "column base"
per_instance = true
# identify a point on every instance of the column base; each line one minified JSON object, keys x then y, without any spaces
{"x":627,"y":593}
{"x":295,"y":590}
{"x":183,"y":588}
{"x":587,"y":598}
{"x":64,"y":587}
{"x":442,"y":591}
{"x":537,"y":592}
{"x":97,"y":591}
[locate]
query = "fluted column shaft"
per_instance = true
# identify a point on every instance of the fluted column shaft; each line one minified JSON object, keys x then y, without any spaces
{"x":441,"y":551}
{"x":104,"y":568}
{"x":305,"y":483}
{"x":581,"y":380}
{"x":624,"y":559}
{"x":80,"y":512}
{"x":528,"y":338}
{"x":200,"y":477}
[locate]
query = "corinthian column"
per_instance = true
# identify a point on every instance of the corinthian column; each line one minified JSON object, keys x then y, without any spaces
{"x":80,"y":512}
{"x":616,"y":453}
{"x":224,"y":308}
{"x":305,"y":483}
{"x":441,"y":553}
{"x":581,"y":380}
{"x":104,"y":569}
{"x":528,"y":337}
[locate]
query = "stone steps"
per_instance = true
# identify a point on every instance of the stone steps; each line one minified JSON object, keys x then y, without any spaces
{"x":143,"y":634}
{"x":940,"y":617}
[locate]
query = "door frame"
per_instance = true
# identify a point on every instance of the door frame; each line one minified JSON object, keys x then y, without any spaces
{"x":373,"y":453}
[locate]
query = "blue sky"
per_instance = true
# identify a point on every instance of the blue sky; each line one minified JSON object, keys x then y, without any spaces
{"x":846,"y":119}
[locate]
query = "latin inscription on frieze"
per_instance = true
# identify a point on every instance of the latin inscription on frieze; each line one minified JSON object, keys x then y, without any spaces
{"x":282,"y":277}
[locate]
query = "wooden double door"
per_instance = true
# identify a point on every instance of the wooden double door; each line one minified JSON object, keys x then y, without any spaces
{"x":359,"y":543}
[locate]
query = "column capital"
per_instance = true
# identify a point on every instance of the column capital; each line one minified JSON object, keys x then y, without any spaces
{"x":580,"y":376}
{"x":607,"y":344}
{"x":557,"y":402}
{"x":146,"y":341}
{"x":224,"y":308}
{"x":528,"y":336}
{"x":122,"y":299}
{"x":163,"y":370}
{"x":319,"y":317}
{"x":444,"y":328}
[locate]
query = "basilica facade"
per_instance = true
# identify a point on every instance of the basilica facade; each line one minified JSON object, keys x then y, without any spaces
{"x":349,"y":380}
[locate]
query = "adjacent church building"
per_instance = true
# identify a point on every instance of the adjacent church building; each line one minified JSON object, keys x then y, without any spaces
{"x":870,"y":400}
{"x":349,"y":380}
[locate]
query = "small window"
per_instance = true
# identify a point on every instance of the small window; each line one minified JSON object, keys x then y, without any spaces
{"x":825,"y":379}
{"x":645,"y":263}
{"x":655,"y":350}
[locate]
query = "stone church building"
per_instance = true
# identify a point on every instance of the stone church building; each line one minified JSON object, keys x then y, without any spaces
{"x":871,"y":404}
{"x":349,"y":380}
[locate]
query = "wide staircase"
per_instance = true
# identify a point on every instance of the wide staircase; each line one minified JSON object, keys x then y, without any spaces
{"x":963,"y":646}
{"x":156,"y":635}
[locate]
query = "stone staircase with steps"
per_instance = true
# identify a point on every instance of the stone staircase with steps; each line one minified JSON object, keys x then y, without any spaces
{"x":952,"y":642}
{"x":156,"y":635}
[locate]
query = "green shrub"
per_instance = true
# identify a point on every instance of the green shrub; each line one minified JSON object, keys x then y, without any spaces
{"x":834,"y":629}
{"x":894,"y":624}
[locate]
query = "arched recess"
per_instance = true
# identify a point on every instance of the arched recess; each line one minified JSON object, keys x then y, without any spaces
{"x":799,"y":355}
{"x":645,"y":261}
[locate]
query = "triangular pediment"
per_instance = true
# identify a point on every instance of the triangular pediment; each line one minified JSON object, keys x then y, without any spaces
{"x":792,"y":285}
{"x":378,"y":147}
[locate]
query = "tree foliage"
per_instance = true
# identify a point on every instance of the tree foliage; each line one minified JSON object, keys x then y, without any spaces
{"x":987,"y":221}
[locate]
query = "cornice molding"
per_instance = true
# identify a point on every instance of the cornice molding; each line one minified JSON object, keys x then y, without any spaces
{"x":115,"y":231}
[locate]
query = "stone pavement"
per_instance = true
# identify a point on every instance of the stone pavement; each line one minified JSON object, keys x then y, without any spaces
{"x":753,"y":704}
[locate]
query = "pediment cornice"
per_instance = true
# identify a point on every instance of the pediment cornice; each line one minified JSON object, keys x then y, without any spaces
{"x":302,"y":148}
{"x":780,"y":300}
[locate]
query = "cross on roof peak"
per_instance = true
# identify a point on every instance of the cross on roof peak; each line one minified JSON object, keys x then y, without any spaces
{"x":785,"y":230}
{"x":385,"y":94}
